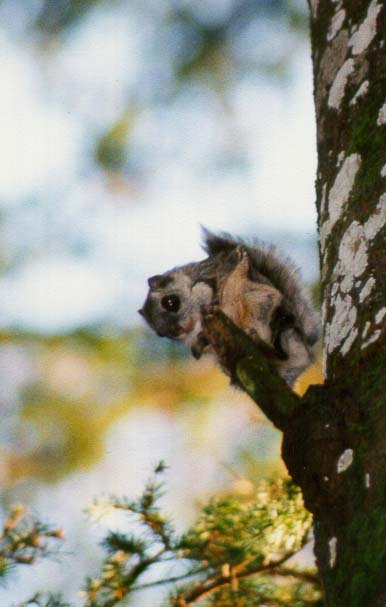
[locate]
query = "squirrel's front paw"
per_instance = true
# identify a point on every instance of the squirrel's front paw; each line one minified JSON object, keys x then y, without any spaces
{"x":209,"y":310}
{"x":199,"y":346}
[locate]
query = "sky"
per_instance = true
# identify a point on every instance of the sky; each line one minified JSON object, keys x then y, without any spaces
{"x":50,"y":191}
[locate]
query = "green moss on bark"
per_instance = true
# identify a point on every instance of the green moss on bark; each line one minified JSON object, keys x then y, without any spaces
{"x":358,"y":577}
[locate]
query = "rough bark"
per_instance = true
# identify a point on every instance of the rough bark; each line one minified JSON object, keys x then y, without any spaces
{"x":348,"y":48}
{"x":334,"y":438}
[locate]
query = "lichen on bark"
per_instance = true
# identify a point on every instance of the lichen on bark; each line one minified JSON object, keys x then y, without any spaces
{"x":353,"y":277}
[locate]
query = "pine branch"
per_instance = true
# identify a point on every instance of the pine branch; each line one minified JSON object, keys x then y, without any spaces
{"x":38,"y":600}
{"x":24,"y":540}
{"x":170,"y":580}
{"x":232,"y":542}
{"x":305,"y":576}
{"x":229,"y":577}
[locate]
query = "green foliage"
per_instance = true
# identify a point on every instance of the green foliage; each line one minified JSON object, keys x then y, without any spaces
{"x":265,"y":591}
{"x":235,"y":555}
{"x":252,"y":530}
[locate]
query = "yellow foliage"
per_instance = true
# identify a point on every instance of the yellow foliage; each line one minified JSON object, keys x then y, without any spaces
{"x":82,"y":384}
{"x":168,"y":385}
{"x":312,"y":375}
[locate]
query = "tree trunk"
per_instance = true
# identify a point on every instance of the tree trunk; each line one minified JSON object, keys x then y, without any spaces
{"x":349,"y":447}
{"x":334,"y":438}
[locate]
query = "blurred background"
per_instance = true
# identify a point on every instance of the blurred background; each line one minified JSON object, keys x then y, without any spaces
{"x":124,"y":127}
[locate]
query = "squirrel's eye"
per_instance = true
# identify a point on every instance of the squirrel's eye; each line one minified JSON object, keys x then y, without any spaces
{"x":171,"y":303}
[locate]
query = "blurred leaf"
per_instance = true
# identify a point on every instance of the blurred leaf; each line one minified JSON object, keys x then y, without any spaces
{"x":78,"y":385}
{"x":58,"y":15}
{"x":111,"y":149}
{"x":209,"y":35}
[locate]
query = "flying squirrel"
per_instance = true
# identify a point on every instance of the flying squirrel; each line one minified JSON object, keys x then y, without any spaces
{"x":253,"y":286}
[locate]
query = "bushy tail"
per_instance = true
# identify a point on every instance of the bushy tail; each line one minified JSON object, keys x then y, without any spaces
{"x":280,"y":272}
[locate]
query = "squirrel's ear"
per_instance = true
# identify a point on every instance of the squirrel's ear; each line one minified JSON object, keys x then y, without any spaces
{"x":154,"y":281}
{"x":159,"y":281}
{"x":239,"y":255}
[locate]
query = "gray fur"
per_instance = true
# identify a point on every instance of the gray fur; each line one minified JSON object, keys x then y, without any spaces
{"x":259,"y":291}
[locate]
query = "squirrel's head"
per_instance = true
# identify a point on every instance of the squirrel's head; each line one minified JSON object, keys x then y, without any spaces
{"x":172,"y":306}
